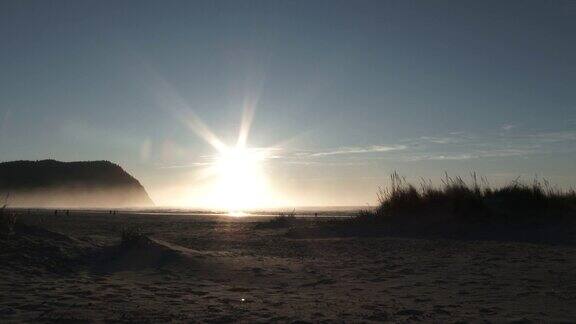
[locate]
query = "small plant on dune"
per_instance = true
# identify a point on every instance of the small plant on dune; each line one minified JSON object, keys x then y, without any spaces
{"x":284,"y":219}
{"x":7,"y":220}
{"x":133,"y":236}
{"x":365,"y":214}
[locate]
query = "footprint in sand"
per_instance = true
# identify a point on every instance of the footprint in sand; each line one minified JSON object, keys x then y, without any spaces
{"x":319,"y":282}
{"x":410,"y":312}
{"x":441,"y":311}
{"x":239,"y":289}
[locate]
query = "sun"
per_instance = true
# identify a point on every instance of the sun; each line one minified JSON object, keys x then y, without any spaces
{"x":235,"y":176}
{"x":241,"y":182}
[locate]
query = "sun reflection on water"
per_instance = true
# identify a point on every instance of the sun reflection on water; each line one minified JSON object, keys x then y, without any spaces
{"x":237,"y":213}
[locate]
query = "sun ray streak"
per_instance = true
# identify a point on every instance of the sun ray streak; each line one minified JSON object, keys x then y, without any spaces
{"x":246,"y":122}
{"x":202,"y":130}
{"x":169,"y":99}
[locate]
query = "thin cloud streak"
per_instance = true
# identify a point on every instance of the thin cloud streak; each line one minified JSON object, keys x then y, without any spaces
{"x":185,"y":166}
{"x":358,"y":150}
{"x":469,"y":156}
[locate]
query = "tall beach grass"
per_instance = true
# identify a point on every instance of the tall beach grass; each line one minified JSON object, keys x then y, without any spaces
{"x":472,"y":201}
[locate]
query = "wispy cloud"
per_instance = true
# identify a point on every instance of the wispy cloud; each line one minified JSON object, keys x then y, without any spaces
{"x":186,"y":166}
{"x":490,"y":145}
{"x":356,"y":150}
{"x":325,"y":163}
{"x":554,"y":137}
{"x":440,"y":140}
{"x":507,"y":127}
{"x":495,"y":153}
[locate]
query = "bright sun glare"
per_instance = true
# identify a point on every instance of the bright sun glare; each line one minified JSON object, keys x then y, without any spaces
{"x":237,"y":177}
{"x":241,"y":182}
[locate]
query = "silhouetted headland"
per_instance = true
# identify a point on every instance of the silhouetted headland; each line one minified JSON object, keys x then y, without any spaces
{"x":49,"y":183}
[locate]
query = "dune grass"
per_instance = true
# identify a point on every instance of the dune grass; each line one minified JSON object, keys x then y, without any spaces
{"x":473,"y":201}
{"x":133,"y":237}
{"x":7,"y":222}
{"x":7,"y":219}
{"x":284,"y":219}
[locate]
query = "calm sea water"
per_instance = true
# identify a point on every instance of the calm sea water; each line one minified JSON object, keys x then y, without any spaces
{"x":330,"y":211}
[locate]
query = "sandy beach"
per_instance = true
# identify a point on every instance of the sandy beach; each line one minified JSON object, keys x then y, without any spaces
{"x":230,"y":269}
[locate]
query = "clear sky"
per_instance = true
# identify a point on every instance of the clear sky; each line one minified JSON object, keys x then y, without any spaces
{"x":342,"y":92}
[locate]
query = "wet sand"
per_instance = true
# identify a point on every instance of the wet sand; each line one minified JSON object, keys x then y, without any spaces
{"x":225,"y":269}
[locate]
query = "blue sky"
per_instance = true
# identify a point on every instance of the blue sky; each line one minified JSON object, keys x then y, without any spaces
{"x":345,"y":91}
